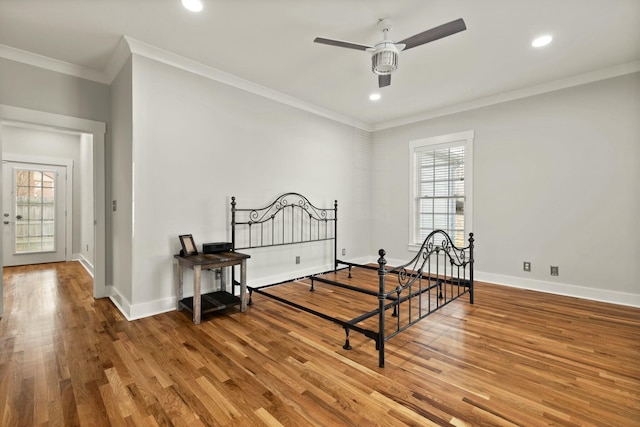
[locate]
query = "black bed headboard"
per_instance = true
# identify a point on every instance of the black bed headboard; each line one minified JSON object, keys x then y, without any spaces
{"x":290,"y":219}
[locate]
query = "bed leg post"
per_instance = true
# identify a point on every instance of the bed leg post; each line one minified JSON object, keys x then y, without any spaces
{"x":347,"y":345}
{"x":349,"y":272}
{"x":440,"y":289}
{"x":312,"y":288}
{"x":250,"y":295}
{"x":471,"y":240}
{"x":382,"y":297}
{"x":395,"y":309}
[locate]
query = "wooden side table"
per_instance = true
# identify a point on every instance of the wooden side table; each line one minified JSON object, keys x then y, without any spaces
{"x":213,"y":301}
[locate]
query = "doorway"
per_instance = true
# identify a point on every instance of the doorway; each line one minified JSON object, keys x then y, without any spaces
{"x":95,"y":132}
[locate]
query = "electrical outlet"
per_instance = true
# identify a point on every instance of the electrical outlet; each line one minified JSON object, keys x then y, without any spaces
{"x":526,"y":266}
{"x":344,"y":251}
{"x":554,"y":270}
{"x":298,"y":259}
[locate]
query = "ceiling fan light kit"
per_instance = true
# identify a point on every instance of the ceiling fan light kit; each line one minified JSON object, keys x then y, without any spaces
{"x":385,"y":60}
{"x":384,"y":56}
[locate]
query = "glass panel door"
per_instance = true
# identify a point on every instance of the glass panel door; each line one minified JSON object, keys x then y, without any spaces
{"x":34,"y":198}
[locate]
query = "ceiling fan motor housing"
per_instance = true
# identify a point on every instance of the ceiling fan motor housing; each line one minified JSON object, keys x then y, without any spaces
{"x":385,"y":59}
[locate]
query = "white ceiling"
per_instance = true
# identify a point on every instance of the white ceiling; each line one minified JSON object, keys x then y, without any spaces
{"x":270,"y":43}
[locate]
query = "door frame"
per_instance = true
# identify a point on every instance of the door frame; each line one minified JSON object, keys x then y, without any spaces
{"x":98,"y":131}
{"x":51,"y":161}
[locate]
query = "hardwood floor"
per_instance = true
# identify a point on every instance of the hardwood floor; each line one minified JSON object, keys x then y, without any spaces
{"x":515,"y":357}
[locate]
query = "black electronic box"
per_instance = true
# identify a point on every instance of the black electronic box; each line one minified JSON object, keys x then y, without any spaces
{"x":217,"y":247}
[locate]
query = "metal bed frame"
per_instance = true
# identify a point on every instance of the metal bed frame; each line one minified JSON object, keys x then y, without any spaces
{"x":440,"y":270}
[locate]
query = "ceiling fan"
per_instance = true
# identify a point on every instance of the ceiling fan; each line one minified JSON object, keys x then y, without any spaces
{"x":384,"y":55}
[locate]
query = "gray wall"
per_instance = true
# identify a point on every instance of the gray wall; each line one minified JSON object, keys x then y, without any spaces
{"x":556,"y":182}
{"x":119,"y":177}
{"x":26,"y":86}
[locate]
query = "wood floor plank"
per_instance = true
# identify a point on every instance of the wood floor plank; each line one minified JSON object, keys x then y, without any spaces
{"x":515,"y":358}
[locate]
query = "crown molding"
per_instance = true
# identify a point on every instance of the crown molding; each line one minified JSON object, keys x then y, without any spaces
{"x":119,"y":57}
{"x":47,"y":63}
{"x":128,"y":46}
{"x":580,"y":79}
{"x":180,"y":62}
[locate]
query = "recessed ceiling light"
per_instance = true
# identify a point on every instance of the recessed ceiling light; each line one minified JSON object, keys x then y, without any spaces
{"x":192,"y":5}
{"x":374,"y":96}
{"x":541,"y":41}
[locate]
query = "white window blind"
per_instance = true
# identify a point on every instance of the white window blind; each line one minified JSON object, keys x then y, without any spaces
{"x":440,"y":199}
{"x":441,"y":187}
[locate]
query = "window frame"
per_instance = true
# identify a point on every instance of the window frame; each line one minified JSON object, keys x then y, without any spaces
{"x":437,"y":143}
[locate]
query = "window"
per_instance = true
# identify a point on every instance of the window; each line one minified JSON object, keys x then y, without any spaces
{"x":441,"y":177}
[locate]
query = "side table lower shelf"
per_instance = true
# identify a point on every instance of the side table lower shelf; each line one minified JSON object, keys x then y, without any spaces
{"x":212,"y":302}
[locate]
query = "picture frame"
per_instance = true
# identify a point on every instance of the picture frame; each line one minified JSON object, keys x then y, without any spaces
{"x":188,"y":245}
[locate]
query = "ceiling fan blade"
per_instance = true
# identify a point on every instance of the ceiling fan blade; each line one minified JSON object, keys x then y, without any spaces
{"x":435,"y":33}
{"x":384,"y":80}
{"x":339,"y":43}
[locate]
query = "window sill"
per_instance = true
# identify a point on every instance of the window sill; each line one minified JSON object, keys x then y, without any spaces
{"x":414,"y":247}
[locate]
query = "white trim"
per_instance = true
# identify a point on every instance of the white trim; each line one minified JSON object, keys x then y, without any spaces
{"x":151,"y":308}
{"x":122,"y":304}
{"x":465,"y":139}
{"x":51,"y":161}
{"x":98,"y":130}
{"x":594,"y":294}
{"x":580,"y":79}
{"x":128,"y":45}
{"x":61,"y":122}
{"x":84,"y":262}
{"x":118,"y":59}
{"x":602,"y":295}
{"x":564,"y":289}
{"x":51,"y":64}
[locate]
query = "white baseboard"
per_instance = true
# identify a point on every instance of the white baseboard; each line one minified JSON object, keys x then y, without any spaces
{"x":602,"y":295}
{"x":150,"y":308}
{"x":146,"y":309}
{"x":85,"y":263}
{"x":121,"y":303}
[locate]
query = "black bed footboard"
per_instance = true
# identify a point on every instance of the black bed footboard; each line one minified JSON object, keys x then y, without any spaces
{"x":439,"y":274}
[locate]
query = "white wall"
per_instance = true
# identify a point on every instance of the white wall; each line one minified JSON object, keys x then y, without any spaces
{"x":85,"y":178}
{"x":556,"y":182}
{"x":197,"y":142}
{"x":119,"y":170}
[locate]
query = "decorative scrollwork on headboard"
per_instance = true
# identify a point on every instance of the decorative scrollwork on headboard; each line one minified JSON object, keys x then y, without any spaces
{"x":289,"y":219}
